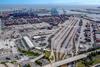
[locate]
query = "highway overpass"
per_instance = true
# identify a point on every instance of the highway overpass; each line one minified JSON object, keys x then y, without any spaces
{"x":69,"y":60}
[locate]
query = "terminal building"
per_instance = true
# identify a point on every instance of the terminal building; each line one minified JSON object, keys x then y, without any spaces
{"x":26,"y":43}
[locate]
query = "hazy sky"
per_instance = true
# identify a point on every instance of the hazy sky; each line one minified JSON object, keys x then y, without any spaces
{"x":66,"y":2}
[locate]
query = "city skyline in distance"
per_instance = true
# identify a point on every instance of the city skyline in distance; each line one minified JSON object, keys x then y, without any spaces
{"x":56,"y":2}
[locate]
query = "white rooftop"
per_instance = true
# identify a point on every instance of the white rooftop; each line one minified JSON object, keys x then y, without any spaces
{"x":28,"y":41}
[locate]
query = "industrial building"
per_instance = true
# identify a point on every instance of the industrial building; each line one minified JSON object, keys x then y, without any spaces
{"x":27,"y":42}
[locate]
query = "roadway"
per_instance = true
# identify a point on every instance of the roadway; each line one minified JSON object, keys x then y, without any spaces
{"x":37,"y":58}
{"x":69,"y":60}
{"x":30,"y":60}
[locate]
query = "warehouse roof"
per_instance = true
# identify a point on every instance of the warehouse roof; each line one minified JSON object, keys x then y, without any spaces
{"x":28,"y":41}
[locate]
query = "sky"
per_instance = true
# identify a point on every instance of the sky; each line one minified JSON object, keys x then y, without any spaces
{"x":65,"y":2}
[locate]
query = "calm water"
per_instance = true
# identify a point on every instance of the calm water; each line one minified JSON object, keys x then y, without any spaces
{"x":68,"y":7}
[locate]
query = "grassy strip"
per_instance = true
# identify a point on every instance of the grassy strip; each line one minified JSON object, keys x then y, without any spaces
{"x":29,"y":53}
{"x":92,"y":59}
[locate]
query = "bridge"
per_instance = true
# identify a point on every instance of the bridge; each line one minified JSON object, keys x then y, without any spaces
{"x":69,"y":60}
